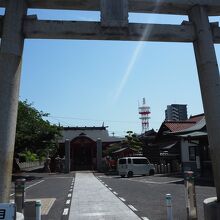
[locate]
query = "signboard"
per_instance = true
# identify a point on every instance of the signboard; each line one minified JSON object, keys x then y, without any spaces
{"x":7,"y":211}
{"x":198,"y":162}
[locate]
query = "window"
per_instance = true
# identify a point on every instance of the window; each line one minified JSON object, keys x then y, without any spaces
{"x":129,"y":160}
{"x":140,"y":161}
{"x":192,"y":153}
{"x":2,"y":213}
{"x":122,"y":161}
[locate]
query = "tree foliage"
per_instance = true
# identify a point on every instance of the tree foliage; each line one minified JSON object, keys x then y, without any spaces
{"x":33,"y":133}
{"x":131,"y":141}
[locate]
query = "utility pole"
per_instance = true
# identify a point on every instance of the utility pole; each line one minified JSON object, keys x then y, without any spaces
{"x":12,"y":42}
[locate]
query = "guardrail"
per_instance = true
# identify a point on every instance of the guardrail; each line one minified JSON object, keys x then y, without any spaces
{"x":31,"y":164}
{"x":166,"y":168}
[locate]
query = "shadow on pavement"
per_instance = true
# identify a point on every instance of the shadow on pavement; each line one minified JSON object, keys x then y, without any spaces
{"x":24,"y":176}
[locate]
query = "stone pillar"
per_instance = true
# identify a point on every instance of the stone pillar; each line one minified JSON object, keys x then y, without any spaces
{"x":114,"y":13}
{"x":12,"y":42}
{"x":99,"y":154}
{"x":211,"y":209}
{"x":208,"y":72}
{"x":67,"y":156}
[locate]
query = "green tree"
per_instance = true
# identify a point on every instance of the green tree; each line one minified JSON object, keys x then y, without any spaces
{"x":34,"y":134}
{"x":28,"y":155}
{"x":131,"y":141}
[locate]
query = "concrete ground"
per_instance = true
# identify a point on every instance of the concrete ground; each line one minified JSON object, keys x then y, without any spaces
{"x":94,"y":201}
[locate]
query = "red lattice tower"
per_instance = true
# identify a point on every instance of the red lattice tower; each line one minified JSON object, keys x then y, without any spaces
{"x":144,"y":112}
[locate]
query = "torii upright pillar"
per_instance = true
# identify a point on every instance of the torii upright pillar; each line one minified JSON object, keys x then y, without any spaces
{"x":209,"y":83}
{"x":209,"y":79}
{"x":12,"y":42}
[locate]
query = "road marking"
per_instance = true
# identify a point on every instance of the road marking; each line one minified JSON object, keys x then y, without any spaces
{"x":115,"y":193}
{"x":65,"y":211}
{"x":35,"y":184}
{"x":105,"y":177}
{"x":69,"y":195}
{"x":110,"y":188}
{"x":132,"y":208}
{"x":174,"y":181}
{"x":90,"y":215}
{"x":152,"y":182}
{"x":58,"y":177}
{"x":122,"y":199}
{"x":31,"y":186}
{"x":149,"y":180}
{"x":68,"y":201}
{"x":46,"y":204}
{"x":145,"y":218}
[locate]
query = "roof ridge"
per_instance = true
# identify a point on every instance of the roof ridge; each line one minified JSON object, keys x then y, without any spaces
{"x":84,"y":128}
{"x":194,"y":116}
{"x":180,"y":122}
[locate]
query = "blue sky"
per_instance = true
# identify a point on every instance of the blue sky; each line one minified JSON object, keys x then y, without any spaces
{"x":86,"y":83}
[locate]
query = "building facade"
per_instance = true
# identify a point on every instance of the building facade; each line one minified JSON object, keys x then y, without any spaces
{"x":186,"y":143}
{"x":176,"y":112}
{"x":83,"y":145}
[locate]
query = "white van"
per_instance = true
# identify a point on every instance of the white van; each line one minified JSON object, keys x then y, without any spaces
{"x":129,"y":166}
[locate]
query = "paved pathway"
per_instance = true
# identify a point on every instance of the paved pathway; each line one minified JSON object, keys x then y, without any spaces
{"x":91,"y":200}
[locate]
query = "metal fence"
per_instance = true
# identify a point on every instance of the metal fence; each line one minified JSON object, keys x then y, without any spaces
{"x":31,"y":164}
{"x":166,"y":168}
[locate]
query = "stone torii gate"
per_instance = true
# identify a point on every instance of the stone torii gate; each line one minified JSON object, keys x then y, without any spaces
{"x":15,"y":26}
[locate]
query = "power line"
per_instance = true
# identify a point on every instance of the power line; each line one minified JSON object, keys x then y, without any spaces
{"x":56,"y":120}
{"x":89,"y":119}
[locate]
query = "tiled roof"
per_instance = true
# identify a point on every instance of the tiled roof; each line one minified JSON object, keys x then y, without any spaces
{"x":196,"y":127}
{"x":193,"y":123}
{"x":194,"y":134}
{"x":175,"y":126}
{"x":196,"y":118}
{"x":124,"y":149}
{"x":169,"y":146}
{"x":93,"y":134}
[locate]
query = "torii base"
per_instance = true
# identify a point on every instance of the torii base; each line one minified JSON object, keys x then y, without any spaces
{"x":211,"y":208}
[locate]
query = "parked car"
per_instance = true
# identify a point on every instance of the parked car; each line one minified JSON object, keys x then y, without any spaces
{"x":129,"y":166}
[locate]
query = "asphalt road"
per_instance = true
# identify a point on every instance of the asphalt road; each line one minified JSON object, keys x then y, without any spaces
{"x":144,"y":195}
{"x":52,"y":189}
{"x":147,"y":195}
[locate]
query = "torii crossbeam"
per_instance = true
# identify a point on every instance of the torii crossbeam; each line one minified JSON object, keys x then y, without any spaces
{"x":139,"y":6}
